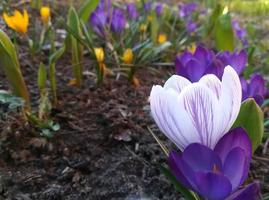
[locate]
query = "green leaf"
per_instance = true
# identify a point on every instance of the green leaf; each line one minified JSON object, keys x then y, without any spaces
{"x":10,"y":64}
{"x":251,"y":119}
{"x":87,"y":8}
{"x":224,"y":35}
{"x":76,"y":47}
{"x":187,"y":193}
{"x":154,"y":26}
{"x":42,"y":77}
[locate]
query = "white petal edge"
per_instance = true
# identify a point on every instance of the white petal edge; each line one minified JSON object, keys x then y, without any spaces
{"x":177,"y":83}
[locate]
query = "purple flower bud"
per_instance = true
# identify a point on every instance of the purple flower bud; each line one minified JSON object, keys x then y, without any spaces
{"x":159,"y":9}
{"x":191,"y":26}
{"x":147,"y":6}
{"x":131,"y":10}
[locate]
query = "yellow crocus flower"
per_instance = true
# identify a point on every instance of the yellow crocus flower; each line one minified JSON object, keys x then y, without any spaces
{"x":128,"y":56}
{"x":143,"y":27}
{"x":162,"y":38}
{"x":100,"y":55}
{"x":18,"y":21}
{"x":45,"y":14}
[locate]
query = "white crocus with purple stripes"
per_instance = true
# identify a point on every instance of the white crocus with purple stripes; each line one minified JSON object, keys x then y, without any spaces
{"x":197,"y":112}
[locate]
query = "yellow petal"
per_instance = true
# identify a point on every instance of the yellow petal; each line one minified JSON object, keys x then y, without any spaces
{"x":162,"y":38}
{"x":100,"y":55}
{"x":9,"y":21}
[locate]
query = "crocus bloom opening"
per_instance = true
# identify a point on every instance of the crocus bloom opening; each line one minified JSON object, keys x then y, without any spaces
{"x":18,"y":21}
{"x":191,"y":26}
{"x":100,"y":55}
{"x":199,"y":112}
{"x":255,"y":88}
{"x":45,"y":14}
{"x":162,"y":38}
{"x":193,"y":65}
{"x":159,"y":9}
{"x":128,"y":56}
{"x":131,"y":10}
{"x":216,"y":174}
{"x":147,"y":6}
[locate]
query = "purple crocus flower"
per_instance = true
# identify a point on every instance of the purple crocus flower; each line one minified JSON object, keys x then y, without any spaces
{"x":241,"y":33}
{"x":118,"y":21}
{"x":204,"y":61}
{"x":200,"y":112}
{"x":216,"y":174}
{"x":185,"y":10}
{"x":255,"y":88}
{"x":147,"y":6}
{"x":98,"y":20}
{"x":131,"y":10}
{"x":191,"y":26}
{"x":159,"y":9}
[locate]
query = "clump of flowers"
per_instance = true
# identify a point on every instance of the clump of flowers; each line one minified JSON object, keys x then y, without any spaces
{"x":197,"y":118}
{"x":185,"y":12}
{"x":194,"y":65}
{"x":106,"y":18}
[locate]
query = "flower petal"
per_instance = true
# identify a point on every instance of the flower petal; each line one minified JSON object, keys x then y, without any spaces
{"x":177,"y":83}
{"x":213,"y":83}
{"x":213,"y":186}
{"x":165,"y":107}
{"x":194,"y":70}
{"x":200,"y":103}
{"x":234,"y":138}
{"x":181,"y":170}
{"x":230,"y":100}
{"x":250,"y":192}
{"x":236,"y":167}
{"x":201,"y":158}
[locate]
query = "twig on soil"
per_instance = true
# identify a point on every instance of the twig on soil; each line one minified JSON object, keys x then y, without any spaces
{"x":165,"y":150}
{"x":136,"y":156}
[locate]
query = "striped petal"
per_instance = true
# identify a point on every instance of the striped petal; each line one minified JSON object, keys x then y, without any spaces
{"x":201,"y":106}
{"x":177,"y":83}
{"x":230,"y":100}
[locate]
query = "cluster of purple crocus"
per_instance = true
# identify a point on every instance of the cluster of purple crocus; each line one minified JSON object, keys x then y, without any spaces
{"x":106,"y":17}
{"x":185,"y":12}
{"x":197,"y":118}
{"x":204,"y":61}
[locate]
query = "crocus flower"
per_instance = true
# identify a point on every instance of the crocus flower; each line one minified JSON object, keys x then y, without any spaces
{"x":191,"y":26}
{"x":241,"y":33}
{"x":162,"y":38}
{"x":216,"y":174}
{"x":99,"y":54}
{"x":203,"y":61}
{"x":185,"y":10}
{"x":147,"y":6}
{"x":98,"y":20}
{"x":118,"y":21}
{"x":128,"y":56}
{"x":131,"y":10}
{"x":159,"y":9}
{"x":45,"y":14}
{"x":18,"y":22}
{"x":255,"y":88}
{"x":199,"y":112}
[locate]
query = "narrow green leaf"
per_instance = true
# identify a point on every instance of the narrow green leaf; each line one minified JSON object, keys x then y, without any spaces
{"x":251,"y":119}
{"x":184,"y":191}
{"x":87,"y":8}
{"x":41,"y":77}
{"x":10,"y":64}
{"x":224,"y":35}
{"x":154,"y":26}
